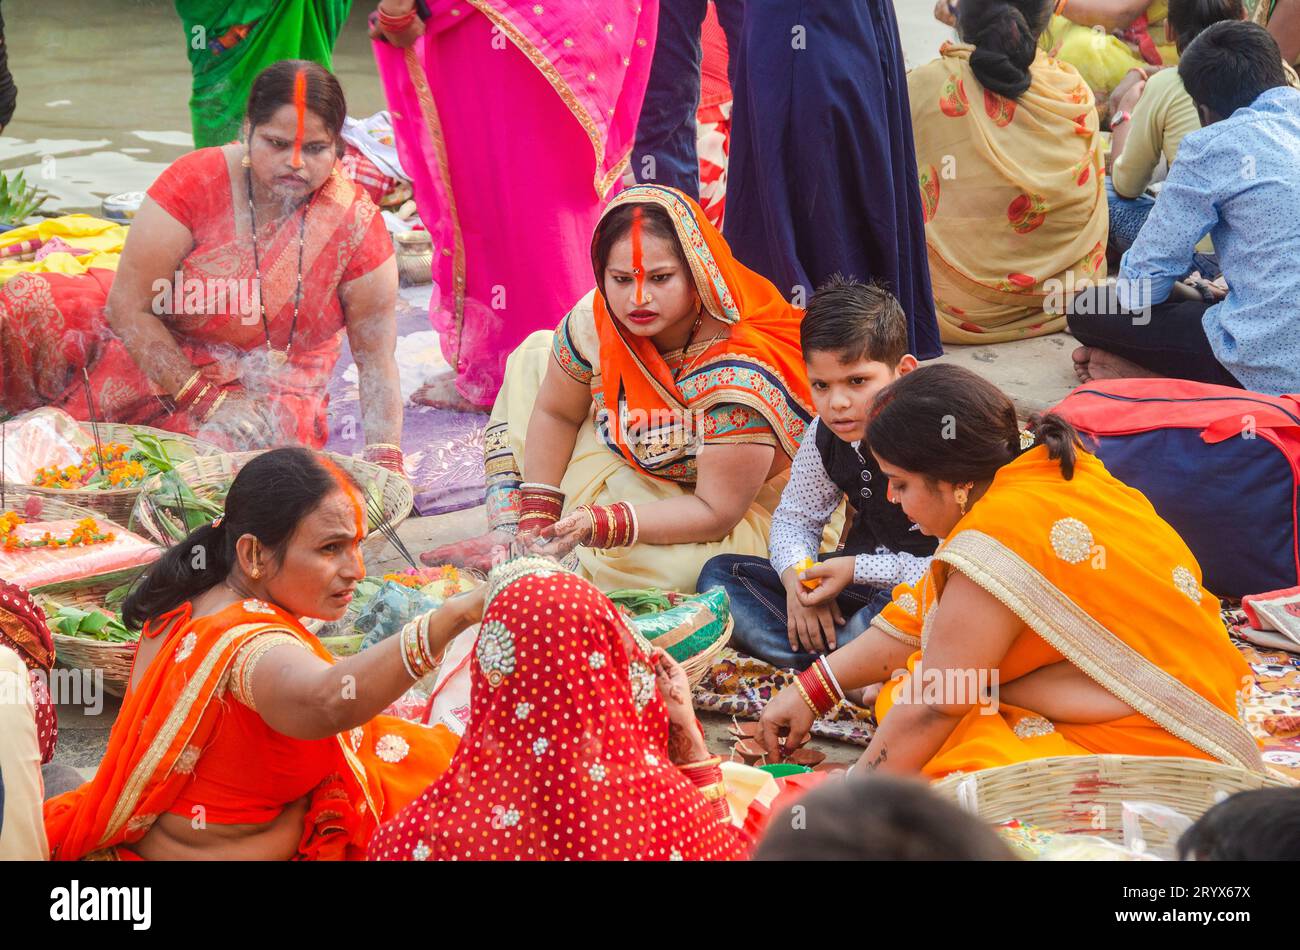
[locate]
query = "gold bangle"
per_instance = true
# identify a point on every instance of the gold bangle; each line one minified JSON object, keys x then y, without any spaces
{"x":215,"y":406}
{"x":185,"y":386}
{"x":807,"y":699}
{"x":713,"y":793}
{"x":705,"y":764}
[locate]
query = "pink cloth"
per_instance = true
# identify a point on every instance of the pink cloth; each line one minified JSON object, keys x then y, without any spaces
{"x":537,"y":112}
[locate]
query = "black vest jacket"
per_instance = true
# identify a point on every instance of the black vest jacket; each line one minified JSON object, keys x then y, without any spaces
{"x":878,"y":520}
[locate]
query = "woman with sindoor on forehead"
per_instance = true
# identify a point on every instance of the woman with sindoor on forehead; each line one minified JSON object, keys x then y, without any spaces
{"x":656,"y":424}
{"x":240,"y":737}
{"x":180,"y":337}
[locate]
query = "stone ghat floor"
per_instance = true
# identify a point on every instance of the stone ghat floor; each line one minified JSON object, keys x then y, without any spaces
{"x":1035,"y":373}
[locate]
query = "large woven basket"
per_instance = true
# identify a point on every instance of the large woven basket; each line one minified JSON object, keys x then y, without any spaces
{"x":1084,"y":794}
{"x":117,"y":503}
{"x":79,"y":653}
{"x":52,"y":508}
{"x":208,"y":474}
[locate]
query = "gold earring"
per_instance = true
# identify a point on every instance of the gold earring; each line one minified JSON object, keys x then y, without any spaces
{"x":246,"y":161}
{"x":256,"y":572}
{"x":961,"y":495}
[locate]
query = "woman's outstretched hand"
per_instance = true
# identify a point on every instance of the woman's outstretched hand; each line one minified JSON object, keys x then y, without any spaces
{"x":559,"y":539}
{"x":480,"y":554}
{"x":785,"y":723}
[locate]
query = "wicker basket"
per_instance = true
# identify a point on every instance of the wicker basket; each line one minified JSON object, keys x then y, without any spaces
{"x":702,"y":662}
{"x":52,"y":508}
{"x":207,"y":474}
{"x":1084,"y":794}
{"x":79,"y":653}
{"x":116,"y":503}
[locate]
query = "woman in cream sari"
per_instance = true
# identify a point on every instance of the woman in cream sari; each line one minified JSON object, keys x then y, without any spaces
{"x":1061,"y":615}
{"x":1012,"y":178}
{"x":659,"y":418}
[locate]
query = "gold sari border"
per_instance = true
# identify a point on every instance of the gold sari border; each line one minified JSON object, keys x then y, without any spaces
{"x":166,"y":736}
{"x":430,"y":113}
{"x":889,"y":630}
{"x":1099,"y":653}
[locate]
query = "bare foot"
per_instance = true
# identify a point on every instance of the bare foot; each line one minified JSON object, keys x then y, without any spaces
{"x":1082,"y":357}
{"x":480,"y":554}
{"x":1103,"y":365}
{"x":440,"y":392}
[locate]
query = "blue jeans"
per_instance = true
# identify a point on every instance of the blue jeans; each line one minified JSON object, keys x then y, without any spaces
{"x":666,"y":130}
{"x":1127,"y":215}
{"x":758,"y":606}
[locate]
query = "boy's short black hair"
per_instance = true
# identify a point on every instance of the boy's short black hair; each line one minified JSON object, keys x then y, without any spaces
{"x":854,"y":320}
{"x":1262,"y":825}
{"x":1188,"y":18}
{"x":877,"y":818}
{"x":1229,"y":65}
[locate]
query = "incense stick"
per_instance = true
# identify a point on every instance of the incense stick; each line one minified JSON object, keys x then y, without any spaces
{"x":381,"y":524}
{"x":94,"y":424}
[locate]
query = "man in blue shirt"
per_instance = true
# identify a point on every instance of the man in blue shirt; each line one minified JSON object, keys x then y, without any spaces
{"x":1238,"y":179}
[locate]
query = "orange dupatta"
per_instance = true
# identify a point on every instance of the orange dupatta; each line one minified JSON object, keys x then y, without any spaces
{"x":759,"y":365}
{"x":169,"y":717}
{"x":1100,"y":580}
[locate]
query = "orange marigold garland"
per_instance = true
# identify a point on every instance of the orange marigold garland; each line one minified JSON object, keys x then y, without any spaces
{"x":85,"y":533}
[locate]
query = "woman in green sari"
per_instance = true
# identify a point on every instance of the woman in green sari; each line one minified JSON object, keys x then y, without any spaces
{"x":230,"y":41}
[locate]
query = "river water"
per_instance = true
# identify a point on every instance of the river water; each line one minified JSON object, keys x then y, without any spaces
{"x":104,"y":85}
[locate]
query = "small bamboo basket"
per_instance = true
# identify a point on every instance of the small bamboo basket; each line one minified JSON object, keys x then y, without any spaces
{"x":81,"y":653}
{"x":116,"y":503}
{"x":695,"y":667}
{"x":1084,"y":794}
{"x":212,"y":472}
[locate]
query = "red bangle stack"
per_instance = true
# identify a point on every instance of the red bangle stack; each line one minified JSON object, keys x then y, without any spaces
{"x":200,"y":401}
{"x":706,"y":776}
{"x":612,"y":526}
{"x":386,"y":455}
{"x":539,"y":506}
{"x":395,"y":24}
{"x":818,"y":687}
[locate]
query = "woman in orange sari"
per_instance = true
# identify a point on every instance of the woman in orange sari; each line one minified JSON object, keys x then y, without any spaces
{"x":239,"y":737}
{"x":226,"y":314}
{"x":656,"y":424}
{"x":1061,"y":615}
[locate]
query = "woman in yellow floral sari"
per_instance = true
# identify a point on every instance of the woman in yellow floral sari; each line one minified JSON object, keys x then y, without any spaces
{"x":1012,"y":178}
{"x":1061,"y":615}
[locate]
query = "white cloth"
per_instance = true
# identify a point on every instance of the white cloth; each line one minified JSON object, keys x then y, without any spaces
{"x":807,"y":504}
{"x":22,"y":822}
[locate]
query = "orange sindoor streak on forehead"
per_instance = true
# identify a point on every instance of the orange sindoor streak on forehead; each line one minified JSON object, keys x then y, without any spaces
{"x":300,"y":108}
{"x":638,"y":271}
{"x":350,"y":493}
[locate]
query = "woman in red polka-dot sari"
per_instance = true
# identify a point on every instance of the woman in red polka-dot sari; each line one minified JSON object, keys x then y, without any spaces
{"x":582,"y":743}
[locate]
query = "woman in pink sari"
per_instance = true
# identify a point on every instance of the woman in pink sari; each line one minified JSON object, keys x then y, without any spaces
{"x":515,"y":121}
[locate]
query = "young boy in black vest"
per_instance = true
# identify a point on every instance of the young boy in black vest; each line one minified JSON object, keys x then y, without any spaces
{"x":854,"y":340}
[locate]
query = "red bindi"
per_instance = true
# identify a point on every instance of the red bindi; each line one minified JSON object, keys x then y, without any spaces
{"x":637,"y":270}
{"x":300,"y":107}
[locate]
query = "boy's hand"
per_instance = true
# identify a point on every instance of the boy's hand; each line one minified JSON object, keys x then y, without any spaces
{"x":811,"y":629}
{"x":834,"y":573}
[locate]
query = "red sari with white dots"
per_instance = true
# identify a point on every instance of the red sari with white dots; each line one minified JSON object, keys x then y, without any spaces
{"x":566,"y":753}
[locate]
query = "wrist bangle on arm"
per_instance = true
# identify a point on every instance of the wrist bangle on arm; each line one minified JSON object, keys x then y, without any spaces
{"x":539,"y":506}
{"x":184,"y":392}
{"x":706,"y":776}
{"x":816,"y":689}
{"x":612,"y":526}
{"x":386,"y":455}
